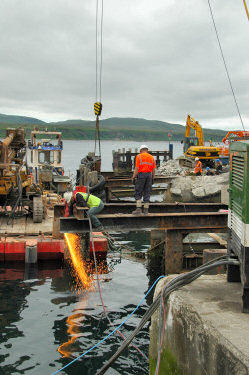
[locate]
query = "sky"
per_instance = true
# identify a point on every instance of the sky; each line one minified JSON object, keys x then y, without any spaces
{"x":161,"y":60}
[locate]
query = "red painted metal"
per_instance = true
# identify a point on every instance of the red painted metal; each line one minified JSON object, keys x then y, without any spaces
{"x":80,"y":188}
{"x":12,"y":250}
{"x":48,"y":249}
{"x":100,"y":243}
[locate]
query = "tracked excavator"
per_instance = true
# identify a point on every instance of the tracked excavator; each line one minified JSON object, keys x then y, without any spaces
{"x":193,"y":145}
{"x":17,"y":193}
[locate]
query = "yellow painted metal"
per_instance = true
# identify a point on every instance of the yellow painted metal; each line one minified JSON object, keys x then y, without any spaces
{"x":200,"y":151}
{"x":97,"y":108}
{"x":191,"y":123}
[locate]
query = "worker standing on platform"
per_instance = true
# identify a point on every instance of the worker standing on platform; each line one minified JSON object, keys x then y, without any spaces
{"x":198,"y":167}
{"x":143,"y":177}
{"x":94,"y":204}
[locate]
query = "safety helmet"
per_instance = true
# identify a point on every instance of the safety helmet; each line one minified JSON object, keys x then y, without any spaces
{"x":217,"y":160}
{"x":68,"y":195}
{"x":143,"y":147}
{"x":196,"y":159}
{"x":207,"y":169}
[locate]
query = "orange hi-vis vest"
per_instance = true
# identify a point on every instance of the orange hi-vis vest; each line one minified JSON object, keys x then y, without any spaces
{"x":145,"y":162}
{"x":198,"y":167}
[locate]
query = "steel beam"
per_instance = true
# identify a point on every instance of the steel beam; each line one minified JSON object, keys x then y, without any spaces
{"x":128,"y":207}
{"x":126,"y":181}
{"x":186,"y":222}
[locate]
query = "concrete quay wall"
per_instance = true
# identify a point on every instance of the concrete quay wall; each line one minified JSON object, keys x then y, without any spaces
{"x":205,"y":331}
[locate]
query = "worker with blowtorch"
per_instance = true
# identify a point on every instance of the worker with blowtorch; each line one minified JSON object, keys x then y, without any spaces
{"x":143,"y":177}
{"x":94,"y":204}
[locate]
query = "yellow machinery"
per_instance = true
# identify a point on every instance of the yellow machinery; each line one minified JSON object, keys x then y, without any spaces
{"x":194,"y":145}
{"x":16,"y":189}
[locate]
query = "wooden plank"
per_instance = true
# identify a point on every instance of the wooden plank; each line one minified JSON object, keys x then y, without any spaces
{"x":218,"y":239}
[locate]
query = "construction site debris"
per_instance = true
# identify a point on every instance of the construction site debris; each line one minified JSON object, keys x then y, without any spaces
{"x":192,"y":189}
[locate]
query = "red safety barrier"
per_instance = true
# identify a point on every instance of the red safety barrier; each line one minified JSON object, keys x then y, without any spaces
{"x":48,"y":249}
{"x":100,"y":243}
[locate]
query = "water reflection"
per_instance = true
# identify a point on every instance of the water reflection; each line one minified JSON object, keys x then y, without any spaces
{"x":44,"y":322}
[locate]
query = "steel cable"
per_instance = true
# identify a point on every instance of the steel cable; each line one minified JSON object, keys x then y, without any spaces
{"x":225,"y":65}
{"x":173,"y":285}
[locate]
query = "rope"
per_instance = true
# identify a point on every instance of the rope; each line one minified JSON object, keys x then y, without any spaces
{"x":112,"y":333}
{"x":225,"y":65}
{"x":100,"y":293}
{"x":246,"y":9}
{"x":173,"y":285}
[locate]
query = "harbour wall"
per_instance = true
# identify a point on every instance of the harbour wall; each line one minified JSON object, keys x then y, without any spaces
{"x":205,"y":330}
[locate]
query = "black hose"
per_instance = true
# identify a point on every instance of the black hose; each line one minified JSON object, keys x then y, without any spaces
{"x":173,"y":285}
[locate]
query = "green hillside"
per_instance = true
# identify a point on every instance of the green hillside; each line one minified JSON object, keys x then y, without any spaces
{"x":112,"y":128}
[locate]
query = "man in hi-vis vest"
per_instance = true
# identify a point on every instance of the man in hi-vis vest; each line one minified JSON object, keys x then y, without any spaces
{"x":143,"y":175}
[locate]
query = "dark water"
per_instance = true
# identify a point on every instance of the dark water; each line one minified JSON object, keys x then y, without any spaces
{"x":39,"y":312}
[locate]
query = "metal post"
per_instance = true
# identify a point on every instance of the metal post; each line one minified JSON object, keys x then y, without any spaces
{"x":173,"y":251}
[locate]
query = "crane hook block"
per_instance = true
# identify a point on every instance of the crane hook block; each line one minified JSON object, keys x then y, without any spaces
{"x":97,"y":108}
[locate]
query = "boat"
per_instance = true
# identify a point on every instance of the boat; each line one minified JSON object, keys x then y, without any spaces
{"x":45,"y":164}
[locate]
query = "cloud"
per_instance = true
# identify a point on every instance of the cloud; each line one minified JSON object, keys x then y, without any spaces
{"x":160,"y":60}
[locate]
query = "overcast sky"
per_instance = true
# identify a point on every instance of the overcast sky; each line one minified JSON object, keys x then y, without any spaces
{"x":160,"y":60}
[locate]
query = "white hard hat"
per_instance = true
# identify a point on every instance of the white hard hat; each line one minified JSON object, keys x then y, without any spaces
{"x":143,"y":146}
{"x":68,"y":195}
{"x":196,"y":159}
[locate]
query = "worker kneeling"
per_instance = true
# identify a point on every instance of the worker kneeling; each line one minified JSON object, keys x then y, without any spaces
{"x":94,"y":204}
{"x":143,"y":175}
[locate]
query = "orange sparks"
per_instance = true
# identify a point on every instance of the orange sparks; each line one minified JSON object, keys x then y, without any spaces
{"x":77,"y":261}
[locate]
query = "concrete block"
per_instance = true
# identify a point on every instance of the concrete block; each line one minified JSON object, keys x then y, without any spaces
{"x":211,"y":254}
{"x":205,"y":331}
{"x":31,"y":254}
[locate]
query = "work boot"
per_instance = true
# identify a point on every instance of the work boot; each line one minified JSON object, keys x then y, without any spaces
{"x":146,"y":208}
{"x":138,"y":210}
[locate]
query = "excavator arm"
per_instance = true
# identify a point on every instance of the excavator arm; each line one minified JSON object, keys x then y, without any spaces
{"x":191,"y":123}
{"x":239,"y":133}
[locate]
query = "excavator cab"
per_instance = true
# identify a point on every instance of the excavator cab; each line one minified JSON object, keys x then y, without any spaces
{"x":189,"y":142}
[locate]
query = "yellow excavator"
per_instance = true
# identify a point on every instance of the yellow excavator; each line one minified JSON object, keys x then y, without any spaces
{"x":194,"y":145}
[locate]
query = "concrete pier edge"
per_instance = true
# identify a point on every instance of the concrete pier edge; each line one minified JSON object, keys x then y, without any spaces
{"x":205,"y":330}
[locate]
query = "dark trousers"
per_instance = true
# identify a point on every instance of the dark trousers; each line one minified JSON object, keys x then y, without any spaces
{"x":143,"y":186}
{"x":198,"y":173}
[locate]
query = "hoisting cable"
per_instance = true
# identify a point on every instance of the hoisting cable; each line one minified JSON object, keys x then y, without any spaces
{"x":224,"y":61}
{"x":98,"y":70}
{"x":247,"y":12}
{"x":171,"y":286}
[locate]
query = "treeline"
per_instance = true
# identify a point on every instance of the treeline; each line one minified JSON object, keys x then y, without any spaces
{"x":113,"y":128}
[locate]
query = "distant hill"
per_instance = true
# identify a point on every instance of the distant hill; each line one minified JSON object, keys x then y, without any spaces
{"x":11,"y":119}
{"x":113,"y":128}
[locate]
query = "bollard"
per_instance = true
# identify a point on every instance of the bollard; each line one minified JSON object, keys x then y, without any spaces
{"x":31,"y":254}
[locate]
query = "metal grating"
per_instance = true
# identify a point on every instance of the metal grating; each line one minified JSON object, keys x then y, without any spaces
{"x":238,"y":171}
{"x":236,"y":224}
{"x":236,"y":208}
